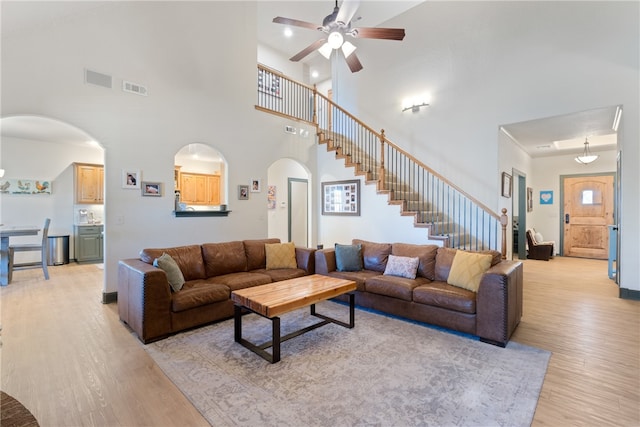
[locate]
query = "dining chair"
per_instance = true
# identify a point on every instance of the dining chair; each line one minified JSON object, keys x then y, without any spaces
{"x":43,"y":248}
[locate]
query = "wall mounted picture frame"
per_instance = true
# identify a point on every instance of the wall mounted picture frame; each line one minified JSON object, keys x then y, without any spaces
{"x":506,"y":185}
{"x":256,"y":186}
{"x":341,"y":198}
{"x":153,"y":189}
{"x":529,"y":199}
{"x":269,"y":83}
{"x":546,"y":197}
{"x":131,"y":179}
{"x":271,"y":197}
{"x":243,"y":192}
{"x":25,"y":186}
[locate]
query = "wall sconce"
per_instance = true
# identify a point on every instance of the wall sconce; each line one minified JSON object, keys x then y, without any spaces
{"x":414,"y":104}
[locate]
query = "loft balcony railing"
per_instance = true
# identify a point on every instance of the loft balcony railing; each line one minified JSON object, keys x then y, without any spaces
{"x":451,"y":214}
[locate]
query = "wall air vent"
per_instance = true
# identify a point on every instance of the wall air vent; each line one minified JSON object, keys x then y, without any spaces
{"x":136,"y":88}
{"x":290,"y":129}
{"x":98,"y":79}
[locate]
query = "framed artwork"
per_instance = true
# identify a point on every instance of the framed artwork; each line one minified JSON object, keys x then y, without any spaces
{"x":255,"y":186}
{"x":269,"y":83}
{"x":243,"y":192}
{"x":131,"y":179}
{"x":25,"y":186}
{"x":271,"y":197}
{"x":152,"y":189}
{"x":546,"y":197}
{"x":506,"y":185}
{"x":529,"y":199}
{"x":341,"y":198}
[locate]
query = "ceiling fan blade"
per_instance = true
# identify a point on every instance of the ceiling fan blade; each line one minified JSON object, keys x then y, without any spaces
{"x":378,"y":33}
{"x":347,"y":11}
{"x":353,"y":62}
{"x":295,"y":23}
{"x":307,"y":50}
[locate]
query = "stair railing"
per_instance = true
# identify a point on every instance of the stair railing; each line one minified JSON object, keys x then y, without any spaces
{"x":451,"y":214}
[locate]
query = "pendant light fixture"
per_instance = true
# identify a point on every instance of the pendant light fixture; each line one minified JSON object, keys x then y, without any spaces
{"x":586,"y":156}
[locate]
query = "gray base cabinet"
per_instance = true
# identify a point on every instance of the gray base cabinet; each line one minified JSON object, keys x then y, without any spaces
{"x":88,"y":244}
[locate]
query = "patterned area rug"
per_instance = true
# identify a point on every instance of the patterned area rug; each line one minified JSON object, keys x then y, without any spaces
{"x":385,"y":371}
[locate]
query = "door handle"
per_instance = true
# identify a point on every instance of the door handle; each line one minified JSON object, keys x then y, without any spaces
{"x":566,"y":218}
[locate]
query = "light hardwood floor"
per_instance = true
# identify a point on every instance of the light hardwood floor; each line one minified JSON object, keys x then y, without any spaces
{"x":68,"y":358}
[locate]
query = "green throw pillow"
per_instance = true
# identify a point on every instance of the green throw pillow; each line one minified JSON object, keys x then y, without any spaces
{"x":348,"y":257}
{"x":170,"y":267}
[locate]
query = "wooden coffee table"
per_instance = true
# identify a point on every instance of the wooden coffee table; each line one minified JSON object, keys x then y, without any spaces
{"x":275,"y":299}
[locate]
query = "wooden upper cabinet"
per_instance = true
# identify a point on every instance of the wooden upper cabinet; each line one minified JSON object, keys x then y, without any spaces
{"x":199,"y":189}
{"x":89,"y":183}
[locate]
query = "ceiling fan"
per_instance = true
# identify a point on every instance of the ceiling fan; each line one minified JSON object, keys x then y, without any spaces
{"x":336,"y":26}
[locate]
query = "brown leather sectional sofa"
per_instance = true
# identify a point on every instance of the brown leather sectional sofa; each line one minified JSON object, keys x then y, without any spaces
{"x":211,"y":271}
{"x":492,"y":313}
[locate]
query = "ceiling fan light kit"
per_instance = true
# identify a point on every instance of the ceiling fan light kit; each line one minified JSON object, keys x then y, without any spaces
{"x":337,"y":25}
{"x":586,"y":156}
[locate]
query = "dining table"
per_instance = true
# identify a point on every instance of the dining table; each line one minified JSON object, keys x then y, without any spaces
{"x":7,"y":231}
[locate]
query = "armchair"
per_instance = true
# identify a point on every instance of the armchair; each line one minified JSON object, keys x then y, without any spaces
{"x":541,"y":251}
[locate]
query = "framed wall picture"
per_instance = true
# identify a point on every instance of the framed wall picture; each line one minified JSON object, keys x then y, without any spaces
{"x":341,"y":198}
{"x":529,"y":199}
{"x":256,"y":186}
{"x":243,"y":192}
{"x":131,"y":179}
{"x":151,"y":189}
{"x":506,"y":185}
{"x":269,"y":83}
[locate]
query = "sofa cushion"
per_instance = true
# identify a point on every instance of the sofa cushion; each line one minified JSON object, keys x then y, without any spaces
{"x":280,"y":255}
{"x":394,"y":286}
{"x":188,"y":258}
{"x":444,"y":260}
{"x":224,"y":258}
{"x":402,"y":266}
{"x":360,"y":277}
{"x":282,"y":273}
{"x":467,"y":269}
{"x":243,"y":280}
{"x":425,"y":253}
{"x":348,"y":257}
{"x":255,"y":252}
{"x":441,"y":294}
{"x":198,"y":293}
{"x":374,"y":255}
{"x":170,"y":267}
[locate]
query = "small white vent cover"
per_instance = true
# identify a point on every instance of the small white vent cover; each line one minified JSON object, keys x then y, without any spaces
{"x":289,"y":129}
{"x":136,"y":88}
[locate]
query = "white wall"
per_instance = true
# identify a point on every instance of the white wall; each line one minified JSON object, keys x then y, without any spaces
{"x":199,"y":90}
{"x":491,"y":63}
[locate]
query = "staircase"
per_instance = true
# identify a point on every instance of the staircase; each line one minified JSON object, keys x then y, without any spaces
{"x":444,"y":210}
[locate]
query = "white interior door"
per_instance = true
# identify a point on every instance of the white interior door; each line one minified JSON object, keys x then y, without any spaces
{"x":299,"y":211}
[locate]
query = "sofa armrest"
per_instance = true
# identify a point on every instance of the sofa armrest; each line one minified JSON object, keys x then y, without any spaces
{"x":144,"y":299}
{"x":499,"y":302}
{"x":305,"y":259}
{"x":325,"y":261}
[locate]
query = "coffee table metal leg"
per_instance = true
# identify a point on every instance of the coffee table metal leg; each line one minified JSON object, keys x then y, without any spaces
{"x":275,"y":348}
{"x":237,"y":323}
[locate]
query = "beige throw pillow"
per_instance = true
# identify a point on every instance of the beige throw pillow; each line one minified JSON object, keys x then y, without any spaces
{"x":467,"y":269}
{"x":402,"y":266}
{"x":280,"y":255}
{"x":170,"y":267}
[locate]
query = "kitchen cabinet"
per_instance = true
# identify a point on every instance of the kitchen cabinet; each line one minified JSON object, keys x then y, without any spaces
{"x":199,"y":189}
{"x":89,"y":243}
{"x":89,"y":183}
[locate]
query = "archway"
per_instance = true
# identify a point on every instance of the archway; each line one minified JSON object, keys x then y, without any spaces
{"x":289,"y":204}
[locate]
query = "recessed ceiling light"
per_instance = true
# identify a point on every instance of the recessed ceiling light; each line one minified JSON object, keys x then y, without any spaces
{"x":314,"y":74}
{"x":288,"y":32}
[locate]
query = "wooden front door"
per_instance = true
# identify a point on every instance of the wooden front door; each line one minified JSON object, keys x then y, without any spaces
{"x":588,"y":210}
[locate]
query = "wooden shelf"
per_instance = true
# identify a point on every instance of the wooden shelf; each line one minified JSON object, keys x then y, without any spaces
{"x":193,"y":214}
